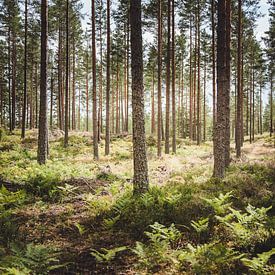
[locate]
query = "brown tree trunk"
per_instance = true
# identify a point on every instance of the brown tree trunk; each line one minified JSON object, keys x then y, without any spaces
{"x":153,"y":127}
{"x":66,"y":128}
{"x":213,"y":12}
{"x":95,"y":128}
{"x":43,"y":149}
{"x":140,"y":181}
{"x":199,"y":81}
{"x":239,"y":84}
{"x":107,"y":134}
{"x":167,"y":108}
{"x":23,"y":130}
{"x":223,"y":80}
{"x":159,"y":76}
{"x":14,"y":66}
{"x":190,"y":84}
{"x":51,"y":101}
{"x":174,"y":146}
{"x":73,"y":88}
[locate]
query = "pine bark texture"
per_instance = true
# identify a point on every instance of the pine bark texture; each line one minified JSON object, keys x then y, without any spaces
{"x":43,"y":123}
{"x":140,"y":181}
{"x":222,"y":136}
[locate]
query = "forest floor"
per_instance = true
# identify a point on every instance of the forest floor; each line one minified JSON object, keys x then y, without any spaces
{"x":82,"y":211}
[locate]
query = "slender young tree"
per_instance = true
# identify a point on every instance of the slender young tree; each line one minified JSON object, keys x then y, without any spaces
{"x":95,"y":125}
{"x":173,"y":81}
{"x":167,"y":109}
{"x":43,"y":149}
{"x":213,"y":12}
{"x":239,"y":84}
{"x":141,"y":182}
{"x":23,"y":130}
{"x":159,"y":76}
{"x":66,"y":137}
{"x":107,"y":135}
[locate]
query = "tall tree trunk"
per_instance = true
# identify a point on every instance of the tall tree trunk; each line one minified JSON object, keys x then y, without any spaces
{"x":221,"y":132}
{"x":127,"y":94}
{"x":159,"y":76}
{"x":213,"y":12}
{"x":153,"y":127}
{"x":204,"y":102}
{"x":174,"y":148}
{"x":25,"y":72}
{"x":107,"y":134}
{"x":271,"y":103}
{"x":14,"y":66}
{"x":60,"y":92}
{"x":140,"y":181}
{"x":51,"y":102}
{"x":199,"y":81}
{"x":99,"y":120}
{"x":190,"y":84}
{"x":239,"y":84}
{"x":87,"y":92}
{"x":261,"y":108}
{"x":167,"y":108}
{"x":9,"y":79}
{"x":95,"y":128}
{"x":228,"y":82}
{"x":43,"y":149}
{"x":73,"y":89}
{"x":66,"y":137}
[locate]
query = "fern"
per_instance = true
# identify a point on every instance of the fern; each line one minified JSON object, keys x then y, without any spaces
{"x":259,"y":264}
{"x":39,"y":259}
{"x":247,"y":228}
{"x":220,"y":204}
{"x":81,"y":229}
{"x":158,"y":251}
{"x":107,"y":254}
{"x":201,"y":225}
{"x":207,"y":258}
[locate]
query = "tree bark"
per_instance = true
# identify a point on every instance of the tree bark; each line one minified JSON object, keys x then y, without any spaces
{"x":159,"y":76}
{"x":239,"y":90}
{"x":223,"y":81}
{"x":140,"y":181}
{"x":167,"y":107}
{"x":95,"y":126}
{"x":66,"y":137}
{"x":43,"y":149}
{"x":107,"y":134}
{"x":23,"y":130}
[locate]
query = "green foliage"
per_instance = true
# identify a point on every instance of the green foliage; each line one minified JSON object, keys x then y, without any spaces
{"x":98,"y":205}
{"x":107,"y":255}
{"x":67,"y":190}
{"x":209,"y":258}
{"x":9,"y":199}
{"x":151,"y":141}
{"x":159,"y":250}
{"x":200,"y":225}
{"x":220,"y":204}
{"x":259,"y":264}
{"x":32,"y":259}
{"x":247,"y":229}
{"x":161,"y":204}
{"x":81,"y":229}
